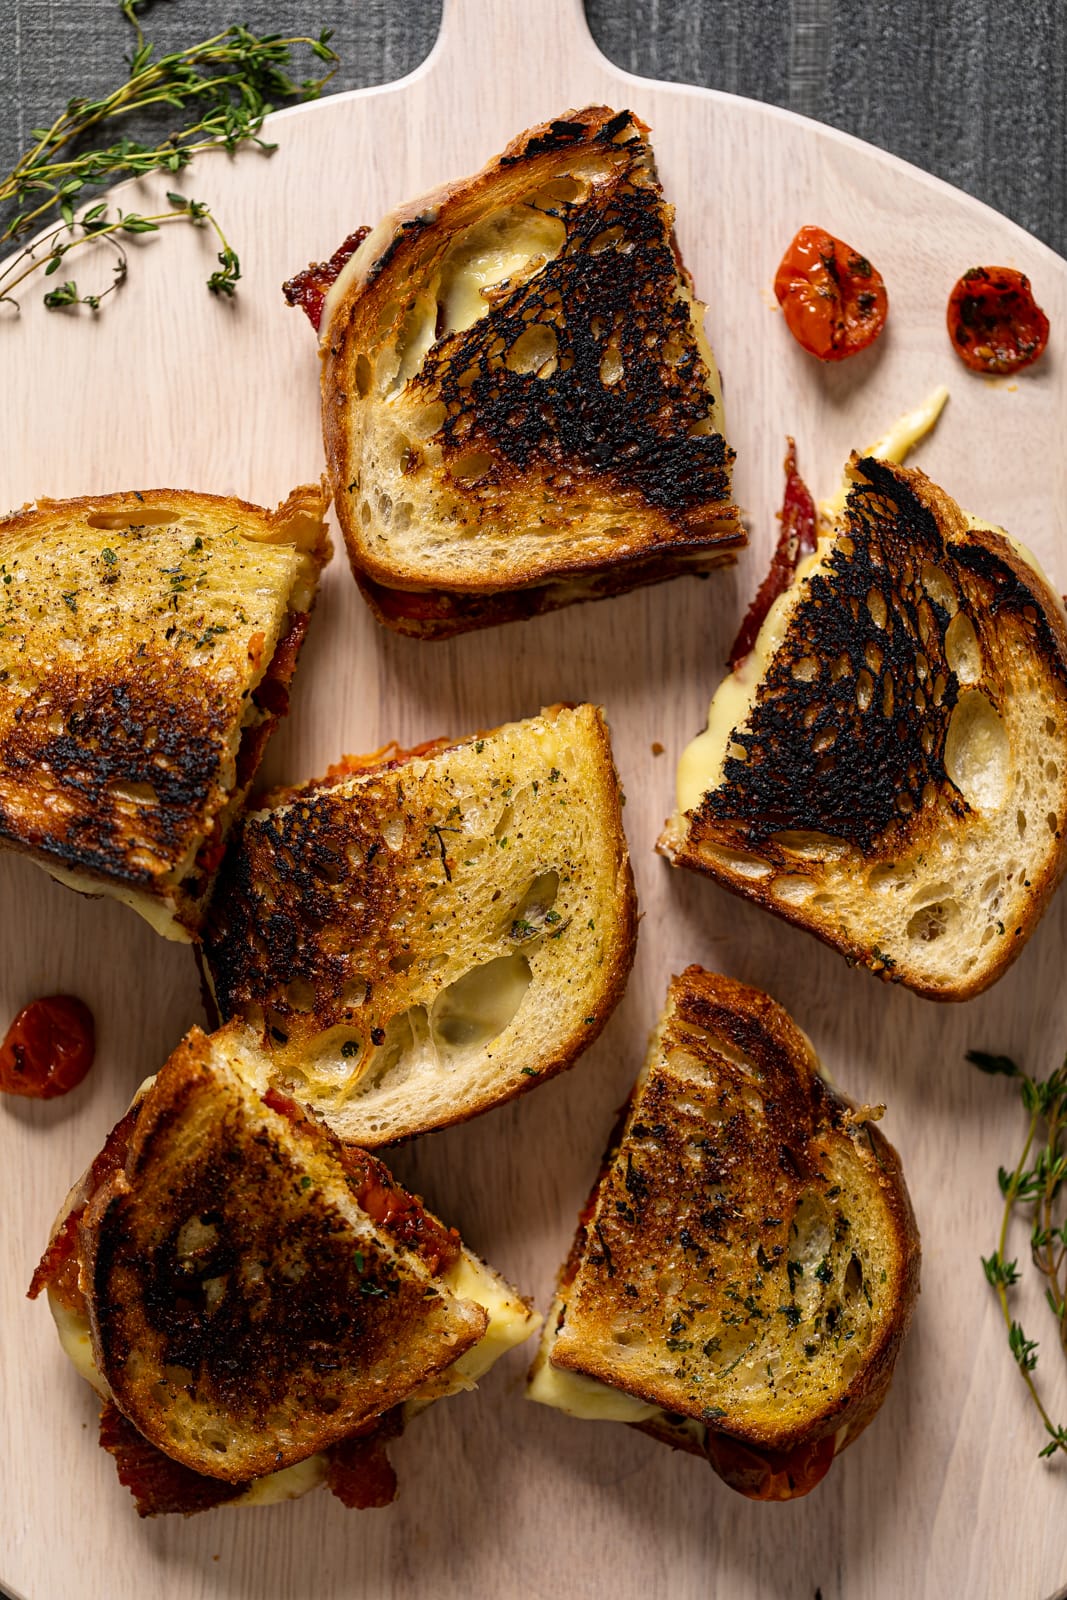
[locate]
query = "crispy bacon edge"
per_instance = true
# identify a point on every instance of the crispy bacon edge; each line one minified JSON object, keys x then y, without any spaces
{"x":770,"y":1474}
{"x":308,"y":289}
{"x":158,"y":1483}
{"x":796,"y":538}
{"x":360,"y":1473}
{"x":58,"y":1266}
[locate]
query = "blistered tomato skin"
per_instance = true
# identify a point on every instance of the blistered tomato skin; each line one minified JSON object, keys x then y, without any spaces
{"x":834,"y":301}
{"x":994,"y":322}
{"x":48,"y":1049}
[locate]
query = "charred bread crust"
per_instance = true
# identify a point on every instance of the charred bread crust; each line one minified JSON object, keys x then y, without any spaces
{"x":700,"y":1196}
{"x":318,"y":936}
{"x":665,"y":479}
{"x":834,"y":757}
{"x":120,"y":758}
{"x":245,"y":1313}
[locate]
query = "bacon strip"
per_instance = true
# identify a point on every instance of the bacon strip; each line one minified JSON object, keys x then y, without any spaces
{"x":360,"y":1473}
{"x":796,"y":539}
{"x":380,"y":760}
{"x":272,"y":692}
{"x":158,"y":1484}
{"x":58,"y":1267}
{"x":770,"y":1474}
{"x":308,"y":289}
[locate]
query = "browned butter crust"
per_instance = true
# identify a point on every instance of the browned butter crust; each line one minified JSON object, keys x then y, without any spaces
{"x":750,"y":1258}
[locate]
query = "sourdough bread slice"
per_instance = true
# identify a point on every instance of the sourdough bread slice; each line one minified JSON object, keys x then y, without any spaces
{"x":241,"y":1282}
{"x":147,"y":642}
{"x":745,"y":1270}
{"x":889,"y":767}
{"x":422,"y":938}
{"x":518,"y":394}
{"x":246,"y":1311}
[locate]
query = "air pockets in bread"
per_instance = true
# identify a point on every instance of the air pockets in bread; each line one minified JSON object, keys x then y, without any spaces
{"x":520,"y":406}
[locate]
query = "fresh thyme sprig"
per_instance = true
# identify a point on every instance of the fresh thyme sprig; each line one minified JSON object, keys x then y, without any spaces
{"x":225,"y":86}
{"x":1036,"y":1182}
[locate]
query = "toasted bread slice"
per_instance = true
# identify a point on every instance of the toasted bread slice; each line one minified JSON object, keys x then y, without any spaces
{"x":422,"y":939}
{"x":888,"y":769}
{"x":223,"y":1282}
{"x":246,"y":1310}
{"x":745,"y":1271}
{"x":147,"y":642}
{"x":518,"y":395}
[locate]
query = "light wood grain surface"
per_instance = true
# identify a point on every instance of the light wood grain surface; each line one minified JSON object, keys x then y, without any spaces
{"x":943,"y":1495}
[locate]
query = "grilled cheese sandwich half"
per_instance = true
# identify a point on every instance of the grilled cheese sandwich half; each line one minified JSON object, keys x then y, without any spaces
{"x":147,"y":644}
{"x":248,"y":1297}
{"x":888,"y":766}
{"x":745,"y":1269}
{"x":521,"y":408}
{"x":424,"y":935}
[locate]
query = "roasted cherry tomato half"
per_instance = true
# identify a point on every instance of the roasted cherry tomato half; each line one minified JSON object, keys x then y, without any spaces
{"x":994,"y":322}
{"x":833,"y":299}
{"x":48,"y":1048}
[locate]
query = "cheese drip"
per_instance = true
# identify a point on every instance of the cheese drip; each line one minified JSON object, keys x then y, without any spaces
{"x":510,"y":1322}
{"x":577,"y":1394}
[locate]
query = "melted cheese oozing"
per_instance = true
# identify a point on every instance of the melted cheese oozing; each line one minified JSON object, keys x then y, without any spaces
{"x":894,"y":445}
{"x":288,"y":1484}
{"x":505,"y":246}
{"x":577,"y":1394}
{"x":158,"y":913}
{"x":510,"y":1322}
{"x":703,"y":759}
{"x":584,"y":1397}
{"x":510,"y":1319}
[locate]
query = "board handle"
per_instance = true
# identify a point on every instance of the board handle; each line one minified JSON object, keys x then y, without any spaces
{"x":535,"y":33}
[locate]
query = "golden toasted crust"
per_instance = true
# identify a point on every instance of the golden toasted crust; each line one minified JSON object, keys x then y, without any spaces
{"x":136,"y":635}
{"x":421,"y":941}
{"x":899,"y":787}
{"x":536,"y":431}
{"x":245,"y":1311}
{"x":750,"y":1260}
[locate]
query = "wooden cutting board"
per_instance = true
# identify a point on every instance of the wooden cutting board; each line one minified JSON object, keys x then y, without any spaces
{"x":944,"y":1494}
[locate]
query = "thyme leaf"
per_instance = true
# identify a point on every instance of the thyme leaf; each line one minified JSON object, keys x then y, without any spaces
{"x":1035,"y":1185}
{"x":224,"y":87}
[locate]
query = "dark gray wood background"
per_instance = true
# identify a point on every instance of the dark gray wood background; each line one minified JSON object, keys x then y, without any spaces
{"x":973,"y":90}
